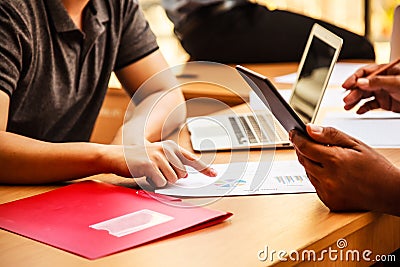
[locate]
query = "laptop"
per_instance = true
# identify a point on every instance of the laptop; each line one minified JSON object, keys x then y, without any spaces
{"x":260,"y":129}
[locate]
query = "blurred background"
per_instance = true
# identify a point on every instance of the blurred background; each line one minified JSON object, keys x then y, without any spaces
{"x":349,"y":14}
{"x":344,"y":13}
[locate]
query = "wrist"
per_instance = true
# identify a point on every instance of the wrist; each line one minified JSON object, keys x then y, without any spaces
{"x":391,"y":204}
{"x":387,"y":192}
{"x":102,"y":159}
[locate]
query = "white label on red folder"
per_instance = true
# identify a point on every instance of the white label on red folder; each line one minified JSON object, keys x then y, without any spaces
{"x":132,"y":222}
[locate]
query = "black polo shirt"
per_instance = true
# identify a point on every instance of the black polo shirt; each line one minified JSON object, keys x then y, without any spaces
{"x":55,"y":74}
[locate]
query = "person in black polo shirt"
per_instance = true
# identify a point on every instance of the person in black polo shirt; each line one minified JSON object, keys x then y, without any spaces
{"x":56,"y":57}
{"x":239,"y":31}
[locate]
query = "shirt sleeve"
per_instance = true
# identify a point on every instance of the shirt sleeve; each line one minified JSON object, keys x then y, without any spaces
{"x":14,"y":47}
{"x":137,"y":40}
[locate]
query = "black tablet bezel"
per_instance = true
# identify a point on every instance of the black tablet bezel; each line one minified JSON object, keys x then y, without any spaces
{"x":273,"y":100}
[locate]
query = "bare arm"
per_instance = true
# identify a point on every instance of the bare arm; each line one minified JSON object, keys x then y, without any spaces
{"x":28,"y":161}
{"x":160,"y":106}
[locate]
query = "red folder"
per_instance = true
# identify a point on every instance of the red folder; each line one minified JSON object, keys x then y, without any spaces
{"x":94,"y":219}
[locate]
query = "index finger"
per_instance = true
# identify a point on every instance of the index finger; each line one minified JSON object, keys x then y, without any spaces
{"x":351,"y":82}
{"x":189,"y":159}
{"x":389,"y":83}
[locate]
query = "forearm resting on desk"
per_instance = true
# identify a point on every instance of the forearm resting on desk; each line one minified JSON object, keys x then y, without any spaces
{"x":28,"y":161}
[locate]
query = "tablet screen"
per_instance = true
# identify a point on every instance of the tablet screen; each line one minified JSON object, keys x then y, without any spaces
{"x":313,"y":75}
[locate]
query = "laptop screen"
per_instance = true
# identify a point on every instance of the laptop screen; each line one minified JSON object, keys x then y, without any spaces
{"x":313,"y":75}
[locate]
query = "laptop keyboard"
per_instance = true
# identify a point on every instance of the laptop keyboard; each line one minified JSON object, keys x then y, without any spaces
{"x":249,"y":133}
{"x":268,"y":128}
{"x":238,"y":132}
{"x":256,"y":129}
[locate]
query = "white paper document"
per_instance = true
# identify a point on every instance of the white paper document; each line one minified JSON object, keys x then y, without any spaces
{"x":244,"y":178}
{"x":340,"y":73}
{"x":376,"y":129}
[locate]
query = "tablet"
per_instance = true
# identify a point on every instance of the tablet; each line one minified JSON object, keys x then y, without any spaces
{"x":273,"y":100}
{"x":315,"y":68}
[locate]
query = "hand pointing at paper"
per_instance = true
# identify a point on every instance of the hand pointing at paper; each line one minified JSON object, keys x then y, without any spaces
{"x":383,"y":88}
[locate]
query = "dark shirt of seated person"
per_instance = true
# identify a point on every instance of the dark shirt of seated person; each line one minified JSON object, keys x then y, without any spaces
{"x":239,"y":31}
{"x":56,"y":58}
{"x":347,"y":174}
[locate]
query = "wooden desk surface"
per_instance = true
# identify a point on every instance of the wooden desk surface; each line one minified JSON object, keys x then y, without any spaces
{"x":281,"y":222}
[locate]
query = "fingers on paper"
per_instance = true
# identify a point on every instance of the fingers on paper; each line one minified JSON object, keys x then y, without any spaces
{"x":193,"y":161}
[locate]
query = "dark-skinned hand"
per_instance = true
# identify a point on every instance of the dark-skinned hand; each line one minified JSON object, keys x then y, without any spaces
{"x":347,"y":174}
